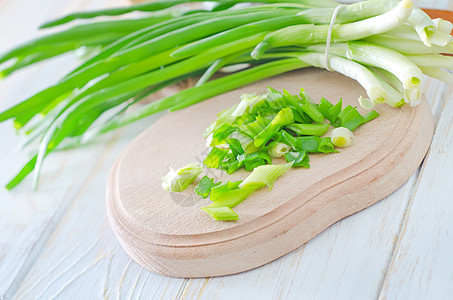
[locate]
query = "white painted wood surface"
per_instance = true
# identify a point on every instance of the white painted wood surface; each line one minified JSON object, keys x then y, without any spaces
{"x":57,"y":243}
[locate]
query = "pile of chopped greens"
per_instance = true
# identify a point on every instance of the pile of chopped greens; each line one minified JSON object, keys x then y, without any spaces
{"x":386,"y":45}
{"x":259,"y":128}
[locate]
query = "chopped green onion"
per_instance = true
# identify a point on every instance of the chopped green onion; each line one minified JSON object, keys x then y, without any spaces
{"x":179,"y":180}
{"x":342,"y":137}
{"x":231,"y":198}
{"x":278,"y":149}
{"x":222,"y":213}
{"x":299,"y":159}
{"x":221,"y":134}
{"x":334,"y":111}
{"x":369,"y":116}
{"x":326,"y":146}
{"x":215,"y":157}
{"x":283,"y":117}
{"x":205,"y":185}
{"x":253,"y":160}
{"x":308,"y":143}
{"x":324,"y":106}
{"x":265,"y":175}
{"x":235,"y":146}
{"x":350,"y":118}
{"x":309,"y":129}
{"x":290,"y":140}
{"x":217,"y":191}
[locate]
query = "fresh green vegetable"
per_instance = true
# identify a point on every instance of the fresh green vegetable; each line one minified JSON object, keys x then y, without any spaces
{"x":205,"y":185}
{"x":215,"y":157}
{"x":386,"y":45}
{"x":309,"y":129}
{"x":221,"y":213}
{"x":298,"y":159}
{"x":278,"y":149}
{"x":265,"y":175}
{"x":179,"y":180}
{"x":342,"y":137}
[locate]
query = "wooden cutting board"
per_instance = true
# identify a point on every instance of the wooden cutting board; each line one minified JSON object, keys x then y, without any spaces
{"x":169,"y":234}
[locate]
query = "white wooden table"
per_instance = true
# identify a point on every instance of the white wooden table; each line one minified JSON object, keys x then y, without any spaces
{"x":57,"y":243}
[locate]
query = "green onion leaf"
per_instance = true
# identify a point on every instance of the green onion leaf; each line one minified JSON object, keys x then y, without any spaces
{"x":309,"y":143}
{"x":215,"y":157}
{"x":334,"y":111}
{"x":219,"y":190}
{"x":231,"y":198}
{"x":326,"y":146}
{"x":265,"y":175}
{"x":369,"y":116}
{"x":253,"y":160}
{"x":205,"y":185}
{"x":222,"y":213}
{"x":309,"y":129}
{"x":284,"y":117}
{"x":178,"y":181}
{"x":235,"y":146}
{"x":299,"y":159}
{"x":222,"y":133}
{"x":350,"y":118}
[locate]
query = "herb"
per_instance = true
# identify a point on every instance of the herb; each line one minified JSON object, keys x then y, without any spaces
{"x":179,"y":180}
{"x":205,"y":185}
{"x":385,"y":45}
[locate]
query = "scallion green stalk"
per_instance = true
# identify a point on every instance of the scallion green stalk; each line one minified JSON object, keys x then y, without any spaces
{"x":356,"y":71}
{"x":265,"y":175}
{"x":278,"y":149}
{"x":221,"y":213}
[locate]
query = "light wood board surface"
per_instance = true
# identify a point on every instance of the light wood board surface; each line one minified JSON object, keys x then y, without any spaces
{"x":57,"y":244}
{"x":169,"y":234}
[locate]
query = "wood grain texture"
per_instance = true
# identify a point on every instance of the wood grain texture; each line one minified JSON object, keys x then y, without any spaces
{"x":176,"y":239}
{"x":423,"y":251}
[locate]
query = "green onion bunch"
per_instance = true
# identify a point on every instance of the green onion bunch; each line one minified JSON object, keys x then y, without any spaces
{"x":386,"y":45}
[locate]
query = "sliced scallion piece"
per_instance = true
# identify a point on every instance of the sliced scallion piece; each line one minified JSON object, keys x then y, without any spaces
{"x":326,"y":146}
{"x":215,"y":157}
{"x":278,"y":149}
{"x":342,"y":137}
{"x":309,"y":129}
{"x":205,"y":185}
{"x":299,"y":159}
{"x":179,"y":180}
{"x":221,"y":213}
{"x":265,"y":175}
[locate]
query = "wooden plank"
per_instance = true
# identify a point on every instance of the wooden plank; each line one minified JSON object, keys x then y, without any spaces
{"x":83,"y":259}
{"x":345,"y":261}
{"x":422,"y":266}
